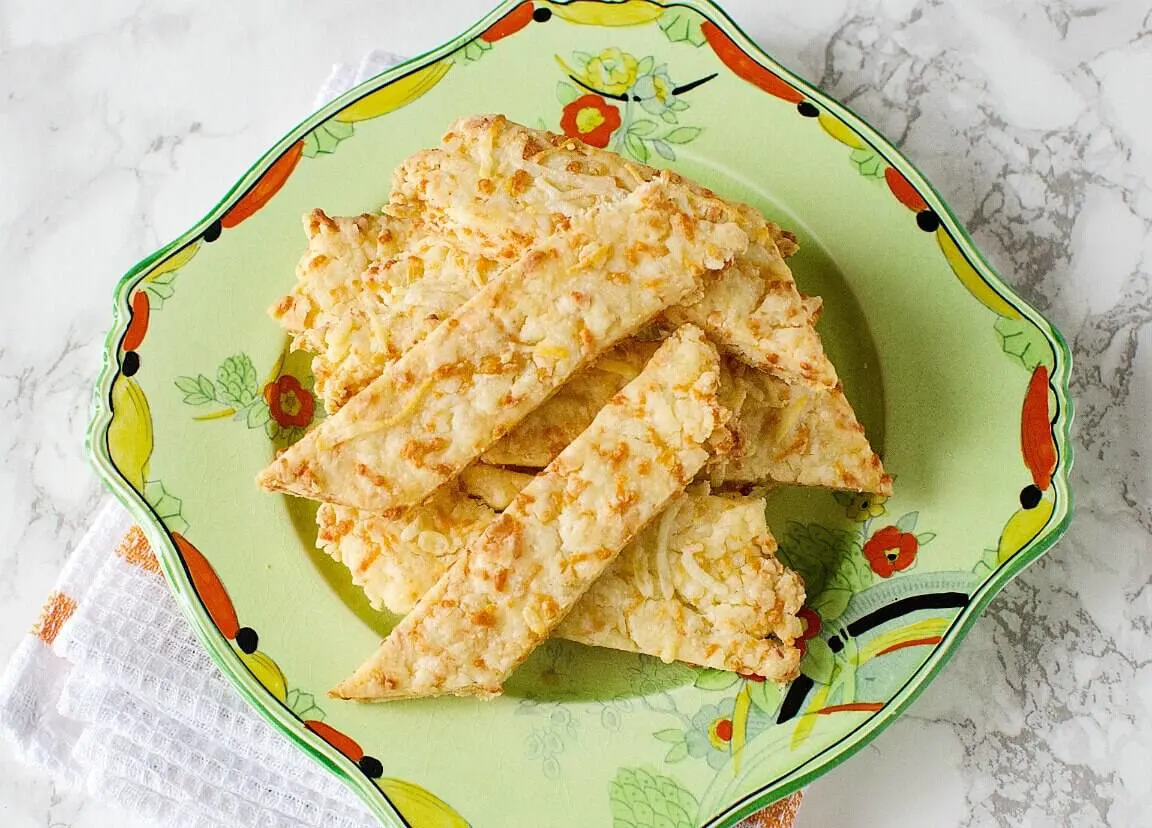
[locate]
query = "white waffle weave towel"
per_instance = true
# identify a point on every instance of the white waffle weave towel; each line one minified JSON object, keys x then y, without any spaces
{"x":112,"y":692}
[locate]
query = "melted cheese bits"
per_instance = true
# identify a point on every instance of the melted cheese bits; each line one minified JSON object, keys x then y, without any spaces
{"x":505,"y":351}
{"x":700,"y":583}
{"x":497,"y":186}
{"x":524,"y":573}
{"x":791,"y":434}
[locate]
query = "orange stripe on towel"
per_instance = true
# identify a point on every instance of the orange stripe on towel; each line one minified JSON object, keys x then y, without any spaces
{"x":135,"y":549}
{"x":56,"y":611}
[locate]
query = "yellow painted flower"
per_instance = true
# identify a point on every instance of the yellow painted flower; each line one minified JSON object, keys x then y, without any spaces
{"x":612,"y":71}
{"x":663,"y":86}
{"x":861,"y":507}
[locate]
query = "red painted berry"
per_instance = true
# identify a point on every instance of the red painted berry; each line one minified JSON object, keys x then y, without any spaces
{"x":724,"y":730}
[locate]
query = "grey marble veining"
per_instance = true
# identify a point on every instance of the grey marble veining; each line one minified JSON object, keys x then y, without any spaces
{"x":121,"y":123}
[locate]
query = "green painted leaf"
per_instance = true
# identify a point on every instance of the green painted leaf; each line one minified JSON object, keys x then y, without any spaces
{"x":844,"y":498}
{"x":188,"y":385}
{"x":197,"y":390}
{"x":671,"y":735}
{"x":831,"y":603}
{"x":678,"y":105}
{"x":474,"y":50}
{"x":708,"y":679}
{"x":311,"y":146}
{"x":830,"y":563}
{"x":642,"y":127}
{"x":988,"y":563}
{"x":167,"y":507}
{"x":566,"y":93}
{"x":682,"y":25}
{"x":765,"y":695}
{"x":664,"y":150}
{"x":304,"y":705}
{"x":258,"y":414}
{"x":154,"y":492}
{"x":580,"y":60}
{"x":644,"y":815}
{"x":640,"y":799}
{"x":818,"y":662}
{"x":636,"y":147}
{"x":621,"y":812}
{"x":237,"y":380}
{"x":868,"y":162}
{"x":339,"y":129}
{"x":677,"y":753}
{"x":908,"y":522}
{"x":817,"y":553}
{"x":669,"y":117}
{"x":925,"y":538}
{"x":1024,"y":342}
{"x":645,"y":66}
{"x":324,"y":139}
{"x":853,"y":575}
{"x":681,"y":802}
{"x":158,"y":292}
{"x":682,"y":135}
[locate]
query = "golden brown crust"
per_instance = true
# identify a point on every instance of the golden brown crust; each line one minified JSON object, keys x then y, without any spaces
{"x":395,"y":559}
{"x":699,"y":584}
{"x":806,"y":436}
{"x":783,"y":433}
{"x":754,"y":310}
{"x":518,"y":580}
{"x":499,"y":356}
{"x":545,"y":432}
{"x":467,"y":325}
{"x":430,"y":264}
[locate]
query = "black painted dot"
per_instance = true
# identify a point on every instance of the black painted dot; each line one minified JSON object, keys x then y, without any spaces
{"x":213,"y":231}
{"x":130,"y":364}
{"x":927,"y":221}
{"x":808,"y":109}
{"x":540,"y":16}
{"x":371,"y":767}
{"x":1030,"y":497}
{"x":247,"y":640}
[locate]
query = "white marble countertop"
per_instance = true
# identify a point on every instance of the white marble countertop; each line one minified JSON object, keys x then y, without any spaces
{"x":121,"y":122}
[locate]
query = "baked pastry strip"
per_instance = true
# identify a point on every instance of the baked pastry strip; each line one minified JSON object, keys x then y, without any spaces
{"x":497,"y":186}
{"x":699,"y":584}
{"x":519,"y":579}
{"x":506,"y":350}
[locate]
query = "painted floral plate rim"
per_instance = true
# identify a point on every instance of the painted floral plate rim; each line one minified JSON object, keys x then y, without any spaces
{"x":181,"y":563}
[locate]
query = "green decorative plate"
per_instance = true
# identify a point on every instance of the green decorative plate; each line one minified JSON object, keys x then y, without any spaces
{"x":961,"y":385}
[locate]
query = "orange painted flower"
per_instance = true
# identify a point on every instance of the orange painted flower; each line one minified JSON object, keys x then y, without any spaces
{"x":591,"y":119}
{"x":890,"y":551}
{"x":290,"y":403}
